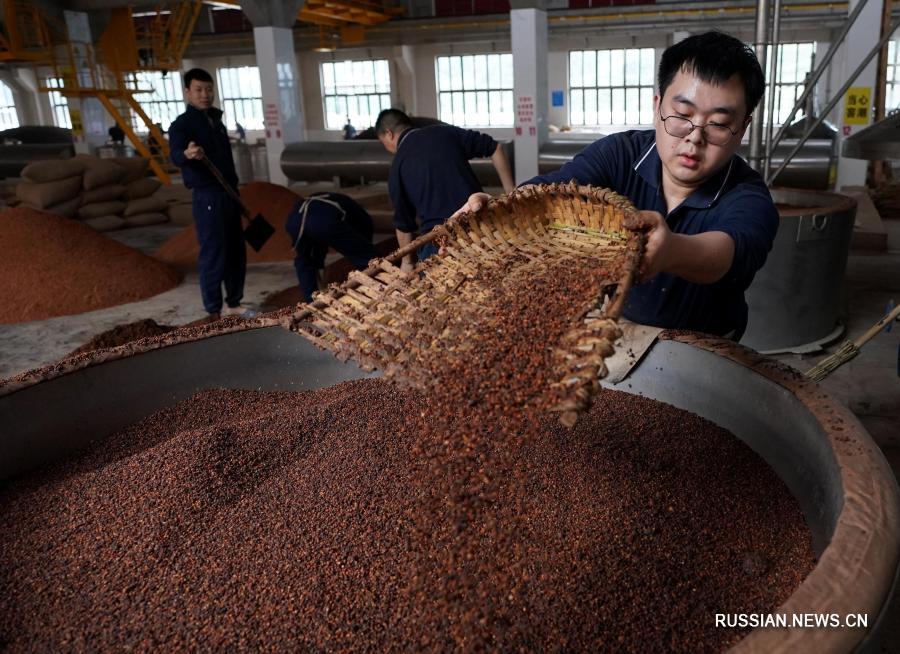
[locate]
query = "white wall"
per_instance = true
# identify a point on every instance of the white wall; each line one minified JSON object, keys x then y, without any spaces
{"x":413,"y":73}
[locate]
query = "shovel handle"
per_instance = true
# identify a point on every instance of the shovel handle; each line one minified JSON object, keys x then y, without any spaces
{"x":245,"y":213}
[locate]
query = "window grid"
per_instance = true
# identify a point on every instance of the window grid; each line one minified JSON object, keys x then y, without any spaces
{"x":475,"y":90}
{"x":795,"y":61}
{"x":59,"y":103}
{"x":9,"y":117}
{"x":355,"y":90}
{"x":611,"y":87}
{"x":240,"y":96}
{"x":892,"y":97}
{"x":163,"y":103}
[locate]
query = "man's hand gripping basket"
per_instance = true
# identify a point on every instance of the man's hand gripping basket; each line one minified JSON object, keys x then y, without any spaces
{"x":484,"y":280}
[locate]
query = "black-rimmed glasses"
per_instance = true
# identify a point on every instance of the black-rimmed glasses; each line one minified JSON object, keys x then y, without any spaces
{"x":713,"y":133}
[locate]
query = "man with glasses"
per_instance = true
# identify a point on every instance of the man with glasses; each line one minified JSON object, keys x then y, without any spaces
{"x":711,"y":218}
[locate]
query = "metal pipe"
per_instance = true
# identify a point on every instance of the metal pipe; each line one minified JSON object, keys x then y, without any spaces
{"x":817,"y":73}
{"x":837,"y":97}
{"x":756,"y":130}
{"x":773,"y":86}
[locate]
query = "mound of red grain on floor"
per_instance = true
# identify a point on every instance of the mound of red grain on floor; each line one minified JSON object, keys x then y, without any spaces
{"x":54,"y":266}
{"x":274,"y":202}
{"x":241,"y":520}
{"x":121,"y":334}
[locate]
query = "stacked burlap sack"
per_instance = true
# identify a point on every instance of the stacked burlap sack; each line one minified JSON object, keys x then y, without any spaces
{"x":106,"y":194}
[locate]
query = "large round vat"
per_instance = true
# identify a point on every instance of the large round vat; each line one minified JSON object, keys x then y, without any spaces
{"x":795,"y":298}
{"x":844,"y":486}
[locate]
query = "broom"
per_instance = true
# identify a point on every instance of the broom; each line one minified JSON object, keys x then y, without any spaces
{"x":849,"y":349}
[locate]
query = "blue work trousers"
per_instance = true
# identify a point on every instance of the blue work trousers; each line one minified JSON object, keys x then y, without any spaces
{"x":324,"y":230}
{"x":223,"y":255}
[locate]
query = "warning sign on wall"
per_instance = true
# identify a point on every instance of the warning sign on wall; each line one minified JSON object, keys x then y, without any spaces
{"x":858,"y":105}
{"x":77,"y":125}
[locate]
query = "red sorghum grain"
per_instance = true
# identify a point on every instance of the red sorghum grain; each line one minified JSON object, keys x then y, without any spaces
{"x":240,"y":520}
{"x":367,"y":517}
{"x":54,"y":266}
{"x":121,"y":334}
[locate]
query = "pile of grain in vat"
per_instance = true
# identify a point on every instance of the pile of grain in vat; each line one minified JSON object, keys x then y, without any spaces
{"x":52,"y":266}
{"x":358,"y":517}
{"x":242,"y":520}
{"x":274,"y":202}
{"x":121,"y":334}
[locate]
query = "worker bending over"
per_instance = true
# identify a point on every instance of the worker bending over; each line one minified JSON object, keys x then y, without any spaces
{"x":711,"y":218}
{"x":323,"y":221}
{"x":430,"y":175}
{"x":195,"y":134}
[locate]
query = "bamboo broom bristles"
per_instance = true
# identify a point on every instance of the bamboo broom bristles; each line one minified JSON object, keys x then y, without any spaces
{"x":849,"y":349}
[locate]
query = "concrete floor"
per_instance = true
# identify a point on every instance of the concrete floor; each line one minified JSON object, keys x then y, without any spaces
{"x":869,"y":384}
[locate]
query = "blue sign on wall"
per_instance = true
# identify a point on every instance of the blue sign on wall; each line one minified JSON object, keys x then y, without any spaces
{"x":557,"y":98}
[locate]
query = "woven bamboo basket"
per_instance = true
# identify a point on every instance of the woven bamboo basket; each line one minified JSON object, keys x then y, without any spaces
{"x":381,"y":317}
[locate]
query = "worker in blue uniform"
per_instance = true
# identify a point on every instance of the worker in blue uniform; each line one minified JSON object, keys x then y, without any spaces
{"x":323,"y":221}
{"x":195,"y":134}
{"x":711,"y":218}
{"x":430,"y":176}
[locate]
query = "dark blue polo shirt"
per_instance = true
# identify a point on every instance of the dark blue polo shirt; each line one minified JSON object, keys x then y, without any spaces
{"x":205,"y":128}
{"x":431,"y":176}
{"x":735,"y":201}
{"x":348,"y":230}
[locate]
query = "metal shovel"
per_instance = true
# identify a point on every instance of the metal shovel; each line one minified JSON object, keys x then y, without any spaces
{"x":258,"y":229}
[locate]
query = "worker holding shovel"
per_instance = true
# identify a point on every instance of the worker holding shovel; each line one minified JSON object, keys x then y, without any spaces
{"x":198,"y":138}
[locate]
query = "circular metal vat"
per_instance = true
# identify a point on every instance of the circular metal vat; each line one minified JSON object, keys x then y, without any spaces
{"x":794,"y":299}
{"x":843,"y":484}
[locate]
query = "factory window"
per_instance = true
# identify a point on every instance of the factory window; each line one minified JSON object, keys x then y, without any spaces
{"x":9,"y":118}
{"x":475,"y":90}
{"x":611,"y":87}
{"x":795,"y":61}
{"x":357,"y":90}
{"x":59,"y":103}
{"x":240,"y":97}
{"x":892,"y":97}
{"x":163,"y":103}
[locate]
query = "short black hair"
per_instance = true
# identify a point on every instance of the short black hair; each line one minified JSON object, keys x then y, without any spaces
{"x":391,"y":119}
{"x":714,"y":57}
{"x":196,"y":74}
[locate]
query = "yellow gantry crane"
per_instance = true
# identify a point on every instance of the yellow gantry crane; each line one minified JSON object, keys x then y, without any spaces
{"x":26,"y":36}
{"x":106,"y":72}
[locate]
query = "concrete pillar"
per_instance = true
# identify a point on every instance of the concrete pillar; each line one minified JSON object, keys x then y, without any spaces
{"x":35,"y":108}
{"x":862,"y":36}
{"x":279,"y":77}
{"x":90,"y":122}
{"x":528,"y":25}
{"x":405,"y":90}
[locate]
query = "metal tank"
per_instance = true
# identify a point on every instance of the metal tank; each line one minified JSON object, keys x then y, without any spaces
{"x":795,"y":298}
{"x":362,"y":160}
{"x":13,"y":158}
{"x":260,"y":156}
{"x":243,"y":161}
{"x":359,"y":161}
{"x":844,"y":486}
